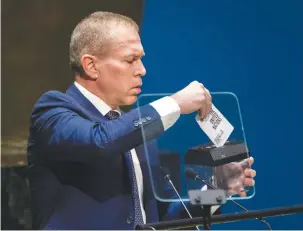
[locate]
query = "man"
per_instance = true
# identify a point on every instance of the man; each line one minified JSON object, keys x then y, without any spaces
{"x":87,"y":165}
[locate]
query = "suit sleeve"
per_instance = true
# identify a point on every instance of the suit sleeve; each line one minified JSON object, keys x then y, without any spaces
{"x":66,"y":135}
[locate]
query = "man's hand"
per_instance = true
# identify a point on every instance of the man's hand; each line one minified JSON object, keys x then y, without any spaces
{"x":233,"y":177}
{"x":194,"y":97}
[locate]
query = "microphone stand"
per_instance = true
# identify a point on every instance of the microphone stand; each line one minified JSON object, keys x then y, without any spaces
{"x":206,"y":217}
{"x":167,"y":177}
{"x":207,"y":199}
{"x":192,"y":174}
{"x":217,"y":219}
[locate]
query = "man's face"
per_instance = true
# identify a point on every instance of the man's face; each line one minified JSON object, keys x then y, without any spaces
{"x":121,"y":68}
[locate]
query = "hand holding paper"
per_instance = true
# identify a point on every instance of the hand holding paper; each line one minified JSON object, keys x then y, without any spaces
{"x":194,"y":97}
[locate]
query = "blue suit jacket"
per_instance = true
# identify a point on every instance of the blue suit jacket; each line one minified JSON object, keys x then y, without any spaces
{"x":77,"y":172}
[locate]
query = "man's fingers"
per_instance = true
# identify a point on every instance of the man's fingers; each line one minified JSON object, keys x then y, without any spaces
{"x":250,"y":172}
{"x":208,"y":93}
{"x":247,"y":162}
{"x":204,"y":107}
{"x":208,"y":102}
{"x":251,"y":161}
{"x":201,"y":113}
{"x":249,"y":182}
{"x":242,"y":194}
{"x":207,"y":105}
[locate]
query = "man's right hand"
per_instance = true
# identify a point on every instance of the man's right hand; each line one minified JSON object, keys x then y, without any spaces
{"x":194,"y":97}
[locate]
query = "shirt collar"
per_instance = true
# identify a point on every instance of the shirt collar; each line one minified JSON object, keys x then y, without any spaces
{"x":102,"y":107}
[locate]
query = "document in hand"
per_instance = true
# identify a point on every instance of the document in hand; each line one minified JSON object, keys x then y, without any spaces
{"x":215,"y":126}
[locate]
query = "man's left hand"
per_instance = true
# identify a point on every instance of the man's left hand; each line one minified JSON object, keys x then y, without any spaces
{"x":233,"y":177}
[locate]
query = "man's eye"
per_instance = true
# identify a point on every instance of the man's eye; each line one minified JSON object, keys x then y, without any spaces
{"x":130,"y":61}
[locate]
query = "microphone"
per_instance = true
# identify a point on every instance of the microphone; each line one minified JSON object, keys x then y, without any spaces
{"x":192,"y":174}
{"x":167,"y":177}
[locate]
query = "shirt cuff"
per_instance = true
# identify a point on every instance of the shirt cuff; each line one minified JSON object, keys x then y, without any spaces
{"x":168,"y":110}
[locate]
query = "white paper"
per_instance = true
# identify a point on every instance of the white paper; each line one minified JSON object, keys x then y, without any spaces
{"x":216,"y":127}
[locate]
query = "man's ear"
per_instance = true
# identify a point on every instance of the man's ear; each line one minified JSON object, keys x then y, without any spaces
{"x":89,"y":66}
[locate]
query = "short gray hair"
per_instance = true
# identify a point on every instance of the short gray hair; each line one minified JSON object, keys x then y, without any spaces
{"x":91,"y":34}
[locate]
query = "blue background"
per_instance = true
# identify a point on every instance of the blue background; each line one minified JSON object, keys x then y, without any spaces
{"x":253,"y":49}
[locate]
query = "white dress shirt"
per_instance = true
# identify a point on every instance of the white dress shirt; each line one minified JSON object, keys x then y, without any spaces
{"x":169,"y":112}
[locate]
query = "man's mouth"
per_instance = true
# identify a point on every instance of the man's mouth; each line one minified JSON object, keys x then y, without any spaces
{"x":138,"y":88}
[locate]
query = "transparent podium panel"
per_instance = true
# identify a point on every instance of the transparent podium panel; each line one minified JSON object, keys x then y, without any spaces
{"x":196,"y":153}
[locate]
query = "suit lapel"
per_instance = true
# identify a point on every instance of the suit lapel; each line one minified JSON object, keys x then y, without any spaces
{"x":95,"y":115}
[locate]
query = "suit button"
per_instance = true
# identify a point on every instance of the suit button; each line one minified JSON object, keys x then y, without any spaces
{"x":148,"y":118}
{"x":130,"y":220}
{"x":136,"y":123}
{"x":140,"y":122}
{"x":143,"y":120}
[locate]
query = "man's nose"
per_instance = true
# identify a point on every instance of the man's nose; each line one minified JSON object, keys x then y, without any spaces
{"x":140,"y":71}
